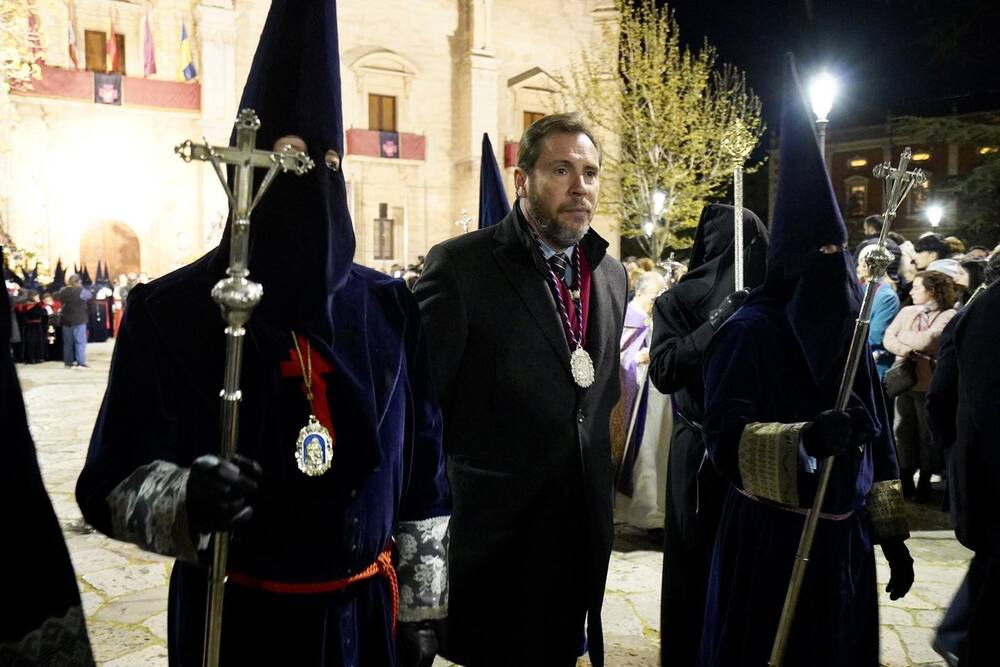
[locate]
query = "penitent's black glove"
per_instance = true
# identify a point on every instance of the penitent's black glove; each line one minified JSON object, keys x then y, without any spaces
{"x":416,"y":644}
{"x":900,"y":568}
{"x":725,"y":310}
{"x":828,"y":434}
{"x":218,"y":492}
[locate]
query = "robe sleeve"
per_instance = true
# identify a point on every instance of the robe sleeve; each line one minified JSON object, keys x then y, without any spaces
{"x":677,"y":349}
{"x":884,"y":501}
{"x":422,"y":532}
{"x":131,"y":487}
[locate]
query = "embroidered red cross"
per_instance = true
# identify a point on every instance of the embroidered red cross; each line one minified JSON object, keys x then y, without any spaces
{"x":320,"y":366}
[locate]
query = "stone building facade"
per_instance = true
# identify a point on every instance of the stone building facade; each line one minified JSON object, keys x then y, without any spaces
{"x":91,"y":173}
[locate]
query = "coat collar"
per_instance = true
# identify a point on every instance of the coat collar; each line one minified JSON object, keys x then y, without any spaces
{"x":524,"y":269}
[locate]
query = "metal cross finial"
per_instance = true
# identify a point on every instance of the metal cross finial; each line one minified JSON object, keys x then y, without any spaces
{"x":897,"y":181}
{"x":464,"y":221}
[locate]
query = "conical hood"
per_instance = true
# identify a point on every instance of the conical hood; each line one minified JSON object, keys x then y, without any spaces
{"x":819,"y":289}
{"x":58,"y":277}
{"x":493,"y":203}
{"x":302,"y":221}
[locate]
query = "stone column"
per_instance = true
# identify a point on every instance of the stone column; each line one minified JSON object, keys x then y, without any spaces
{"x":216,"y":20}
{"x":475,"y":110}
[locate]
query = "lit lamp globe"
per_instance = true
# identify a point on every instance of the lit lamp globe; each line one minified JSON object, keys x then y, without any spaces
{"x":822,"y":91}
{"x":934,"y":214}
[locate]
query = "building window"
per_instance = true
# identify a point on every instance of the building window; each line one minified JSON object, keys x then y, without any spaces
{"x":382,"y":113}
{"x":96,"y":43}
{"x":919,"y":195}
{"x":384,"y":234}
{"x":857,"y":199}
{"x":531,"y":116}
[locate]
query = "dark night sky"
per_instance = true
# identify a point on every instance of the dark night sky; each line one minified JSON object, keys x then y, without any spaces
{"x":889,"y":55}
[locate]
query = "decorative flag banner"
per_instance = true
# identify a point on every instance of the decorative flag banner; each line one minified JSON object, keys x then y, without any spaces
{"x":186,"y":60}
{"x":148,"y":52}
{"x":34,"y":38}
{"x":113,"y":57}
{"x":108,"y":88}
{"x":388,"y":144}
{"x":493,"y":204}
{"x":71,"y":35}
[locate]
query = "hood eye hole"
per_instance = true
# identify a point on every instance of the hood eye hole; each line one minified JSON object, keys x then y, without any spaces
{"x":332,"y":159}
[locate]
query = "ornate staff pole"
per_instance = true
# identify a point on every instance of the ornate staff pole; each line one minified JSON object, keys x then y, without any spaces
{"x":236,"y":296}
{"x":738,"y":222}
{"x":896,"y":184}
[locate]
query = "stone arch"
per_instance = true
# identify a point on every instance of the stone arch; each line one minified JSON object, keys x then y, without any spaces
{"x":112,"y":242}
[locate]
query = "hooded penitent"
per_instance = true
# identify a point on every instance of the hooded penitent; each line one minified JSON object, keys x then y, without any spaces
{"x":301,"y":236}
{"x":493,"y":203}
{"x":711,"y":272}
{"x":360,"y":332}
{"x":769,"y":371}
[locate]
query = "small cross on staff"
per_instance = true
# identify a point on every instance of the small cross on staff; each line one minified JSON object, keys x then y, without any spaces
{"x":464,"y":221}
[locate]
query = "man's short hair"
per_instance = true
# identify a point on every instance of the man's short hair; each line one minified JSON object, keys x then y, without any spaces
{"x":955,"y":244}
{"x":559,"y":123}
{"x":73,"y":279}
{"x":873,"y":221}
{"x":932,"y":243}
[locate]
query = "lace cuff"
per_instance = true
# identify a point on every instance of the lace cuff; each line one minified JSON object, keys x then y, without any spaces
{"x":422,"y":569}
{"x":58,"y":641}
{"x":149,"y":508}
{"x":885,"y":507}
{"x":769,"y":461}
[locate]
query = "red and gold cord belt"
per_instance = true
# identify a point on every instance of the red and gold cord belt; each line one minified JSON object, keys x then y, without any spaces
{"x":382,"y":566}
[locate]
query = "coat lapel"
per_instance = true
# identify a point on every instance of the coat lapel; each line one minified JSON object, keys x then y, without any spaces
{"x":518,"y":265}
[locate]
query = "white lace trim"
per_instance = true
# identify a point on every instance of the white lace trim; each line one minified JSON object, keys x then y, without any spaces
{"x":422,"y":569}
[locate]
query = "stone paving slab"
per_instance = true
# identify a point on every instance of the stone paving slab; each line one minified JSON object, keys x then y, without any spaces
{"x":124,"y":589}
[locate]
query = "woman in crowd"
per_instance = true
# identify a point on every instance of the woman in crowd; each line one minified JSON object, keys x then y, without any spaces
{"x":914,"y":335}
{"x":886,"y":304}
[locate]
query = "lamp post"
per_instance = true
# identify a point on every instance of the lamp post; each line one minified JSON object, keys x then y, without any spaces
{"x":822,"y":90}
{"x":934,"y":214}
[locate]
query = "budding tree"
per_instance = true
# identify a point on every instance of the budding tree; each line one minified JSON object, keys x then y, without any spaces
{"x":675,"y":124}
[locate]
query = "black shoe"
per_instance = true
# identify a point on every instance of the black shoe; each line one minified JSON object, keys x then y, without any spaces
{"x":923,"y":490}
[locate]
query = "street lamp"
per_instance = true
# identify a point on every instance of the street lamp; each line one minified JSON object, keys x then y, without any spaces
{"x":659,"y":201}
{"x":822,"y":90}
{"x":934,"y":214}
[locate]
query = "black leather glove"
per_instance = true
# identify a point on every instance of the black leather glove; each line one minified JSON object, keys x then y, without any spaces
{"x":900,"y":568}
{"x":861,"y":426}
{"x":828,"y":434}
{"x":416,"y":644}
{"x":725,"y":310}
{"x":218,"y":492}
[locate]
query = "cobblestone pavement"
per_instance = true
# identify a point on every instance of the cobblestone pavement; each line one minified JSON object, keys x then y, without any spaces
{"x":124,"y":589}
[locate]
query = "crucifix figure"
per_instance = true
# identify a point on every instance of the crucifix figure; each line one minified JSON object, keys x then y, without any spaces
{"x":464,"y":221}
{"x":236,"y":296}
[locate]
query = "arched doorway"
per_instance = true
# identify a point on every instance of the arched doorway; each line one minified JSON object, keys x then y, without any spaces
{"x":112,"y":243}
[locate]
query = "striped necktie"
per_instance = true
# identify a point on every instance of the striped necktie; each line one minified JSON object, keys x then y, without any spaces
{"x":558,"y":263}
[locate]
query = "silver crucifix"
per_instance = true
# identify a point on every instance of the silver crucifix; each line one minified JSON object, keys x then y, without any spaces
{"x":236,"y":296}
{"x":464,"y":221}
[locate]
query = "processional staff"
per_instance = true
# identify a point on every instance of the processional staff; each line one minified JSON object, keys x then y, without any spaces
{"x":896,"y":184}
{"x":738,"y":144}
{"x":237,"y":296}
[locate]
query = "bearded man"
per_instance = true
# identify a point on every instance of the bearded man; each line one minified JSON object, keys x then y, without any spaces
{"x":523,"y":321}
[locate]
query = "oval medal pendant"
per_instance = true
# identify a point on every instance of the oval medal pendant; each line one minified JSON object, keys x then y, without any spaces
{"x":314,"y":448}
{"x":582,"y":367}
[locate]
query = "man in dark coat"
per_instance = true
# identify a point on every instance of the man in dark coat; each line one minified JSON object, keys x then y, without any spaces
{"x":515,"y":314}
{"x":974,"y":471}
{"x":684,"y":320}
{"x":73,"y":319}
{"x":311,"y":578}
{"x":772,"y":374}
{"x":41,"y":620}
